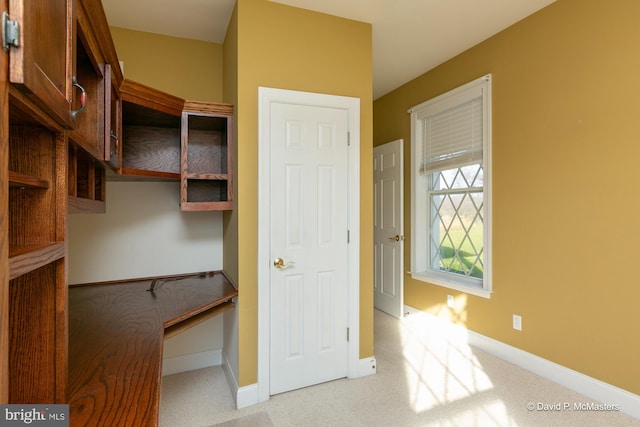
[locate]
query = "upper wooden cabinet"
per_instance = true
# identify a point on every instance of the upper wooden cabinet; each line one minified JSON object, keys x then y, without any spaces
{"x":94,"y":140}
{"x":164,"y":136}
{"x":96,"y":78}
{"x":150,"y":145}
{"x":40,"y":66}
{"x":206,"y":157}
{"x":89,"y":98}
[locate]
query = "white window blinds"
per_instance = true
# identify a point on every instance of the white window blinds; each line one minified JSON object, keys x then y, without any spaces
{"x":452,"y":128}
{"x":453,"y":138}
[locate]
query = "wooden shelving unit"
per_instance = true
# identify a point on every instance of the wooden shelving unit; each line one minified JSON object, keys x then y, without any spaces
{"x":165,"y":137}
{"x":57,"y":141}
{"x":206,"y":157}
{"x":37,"y":356}
{"x":58,"y":40}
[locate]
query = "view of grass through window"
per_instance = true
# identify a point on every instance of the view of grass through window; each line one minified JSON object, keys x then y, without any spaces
{"x":456,"y":221}
{"x":458,"y":253}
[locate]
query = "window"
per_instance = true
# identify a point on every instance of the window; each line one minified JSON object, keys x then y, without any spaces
{"x":451,"y":197}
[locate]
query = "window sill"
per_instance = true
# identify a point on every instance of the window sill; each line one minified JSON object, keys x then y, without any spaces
{"x":466,"y":288}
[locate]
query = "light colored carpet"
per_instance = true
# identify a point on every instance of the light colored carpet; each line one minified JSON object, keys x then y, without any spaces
{"x":261,"y":419}
{"x":424,"y":378}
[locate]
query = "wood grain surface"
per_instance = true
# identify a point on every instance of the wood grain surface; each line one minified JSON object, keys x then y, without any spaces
{"x":116,"y":333}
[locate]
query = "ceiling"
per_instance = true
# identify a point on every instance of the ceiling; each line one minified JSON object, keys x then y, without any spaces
{"x":441,"y":28}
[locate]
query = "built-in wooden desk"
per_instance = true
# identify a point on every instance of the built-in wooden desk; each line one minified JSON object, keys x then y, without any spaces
{"x":116,"y":331}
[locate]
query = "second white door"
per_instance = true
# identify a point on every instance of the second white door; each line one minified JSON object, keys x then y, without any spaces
{"x":309,"y":246}
{"x":388,"y":228}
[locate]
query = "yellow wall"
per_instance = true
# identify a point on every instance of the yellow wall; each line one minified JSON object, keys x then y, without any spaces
{"x":565,"y":185}
{"x":189,"y":69}
{"x":290,"y":48}
{"x":230,"y":91}
{"x":230,"y":218}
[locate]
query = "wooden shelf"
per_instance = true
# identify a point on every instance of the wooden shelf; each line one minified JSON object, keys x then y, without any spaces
{"x":26,"y":181}
{"x":206,"y":206}
{"x":25,"y":259}
{"x":150,"y":174}
{"x":209,"y":176}
{"x":197,"y":319}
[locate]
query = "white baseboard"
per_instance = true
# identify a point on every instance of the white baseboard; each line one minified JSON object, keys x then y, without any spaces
{"x":600,"y":391}
{"x":249,"y":395}
{"x":243,"y":396}
{"x":364,"y":367}
{"x":231,"y":378}
{"x":190,"y":362}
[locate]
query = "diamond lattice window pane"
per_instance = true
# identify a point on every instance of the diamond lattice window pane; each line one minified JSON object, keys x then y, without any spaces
{"x":457,"y":242}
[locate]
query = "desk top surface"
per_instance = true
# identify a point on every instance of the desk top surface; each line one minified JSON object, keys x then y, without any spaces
{"x":116,"y":332}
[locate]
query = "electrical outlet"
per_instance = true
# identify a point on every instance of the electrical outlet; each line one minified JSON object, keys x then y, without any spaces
{"x":450,"y":301}
{"x":517,"y":322}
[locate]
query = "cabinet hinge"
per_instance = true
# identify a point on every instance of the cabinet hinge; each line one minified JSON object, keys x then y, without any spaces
{"x":347,"y":334}
{"x":10,"y":32}
{"x":348,"y":237}
{"x":348,"y":138}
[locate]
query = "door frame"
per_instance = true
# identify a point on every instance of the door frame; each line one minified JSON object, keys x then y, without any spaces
{"x":267,"y":96}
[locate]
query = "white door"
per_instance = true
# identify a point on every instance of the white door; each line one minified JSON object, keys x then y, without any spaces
{"x":309,"y":245}
{"x":388,"y":228}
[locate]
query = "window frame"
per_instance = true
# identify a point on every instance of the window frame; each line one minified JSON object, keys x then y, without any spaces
{"x":420,"y":208}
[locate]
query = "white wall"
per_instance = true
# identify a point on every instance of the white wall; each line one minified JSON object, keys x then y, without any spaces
{"x":144,"y":234}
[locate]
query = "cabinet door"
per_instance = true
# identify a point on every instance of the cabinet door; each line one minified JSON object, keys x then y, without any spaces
{"x":41,"y":65}
{"x":113,"y":117}
{"x":4,"y":228}
{"x":88,"y":102}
